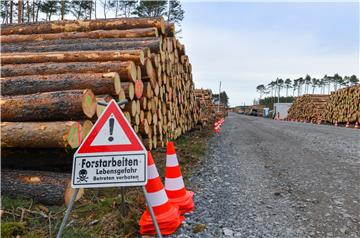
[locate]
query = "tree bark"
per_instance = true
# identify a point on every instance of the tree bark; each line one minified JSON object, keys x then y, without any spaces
{"x":62,"y":9}
{"x":131,"y":33}
{"x":137,"y":56}
{"x":20,"y":12}
{"x":41,"y":134}
{"x":126,"y":70}
{"x":11,"y":11}
{"x":45,"y":187}
{"x":99,"y":83}
{"x":50,"y":106}
{"x":86,"y":25}
{"x":85,"y":44}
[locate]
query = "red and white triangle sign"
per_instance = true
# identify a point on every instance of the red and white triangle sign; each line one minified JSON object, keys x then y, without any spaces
{"x":111,"y":133}
{"x":111,"y":155}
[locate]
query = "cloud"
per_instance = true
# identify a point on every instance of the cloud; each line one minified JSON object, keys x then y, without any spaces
{"x":243,"y":58}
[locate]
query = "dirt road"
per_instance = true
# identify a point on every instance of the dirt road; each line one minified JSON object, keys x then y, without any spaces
{"x":265,"y":178}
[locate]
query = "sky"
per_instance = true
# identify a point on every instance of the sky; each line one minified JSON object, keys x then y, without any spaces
{"x":246,"y":44}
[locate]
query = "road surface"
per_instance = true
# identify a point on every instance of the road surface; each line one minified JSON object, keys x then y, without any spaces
{"x":265,"y":178}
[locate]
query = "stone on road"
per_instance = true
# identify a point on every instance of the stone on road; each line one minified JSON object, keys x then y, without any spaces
{"x":266,"y":178}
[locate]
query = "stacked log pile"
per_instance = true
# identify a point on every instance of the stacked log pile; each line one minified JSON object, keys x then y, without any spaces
{"x":308,"y":108}
{"x":54,"y":73}
{"x":344,"y":105}
{"x":205,"y":99}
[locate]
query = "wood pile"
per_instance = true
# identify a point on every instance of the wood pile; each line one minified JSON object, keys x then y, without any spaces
{"x":54,"y":73}
{"x":344,"y":105}
{"x":205,"y":99}
{"x":308,"y":108}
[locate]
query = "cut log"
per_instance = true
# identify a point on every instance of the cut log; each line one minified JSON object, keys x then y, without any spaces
{"x":45,"y":187}
{"x":59,"y":105}
{"x":139,"y":88}
{"x":153,"y":44}
{"x":128,"y":88}
{"x":131,"y":33}
{"x":170,"y":29}
{"x":86,"y":127}
{"x":84,"y":25}
{"x":99,"y":83}
{"x":41,"y":134}
{"x":101,"y":108}
{"x":126,"y":70}
{"x":137,"y":56}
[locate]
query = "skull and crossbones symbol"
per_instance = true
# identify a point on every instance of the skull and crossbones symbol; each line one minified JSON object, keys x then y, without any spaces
{"x":82,"y":176}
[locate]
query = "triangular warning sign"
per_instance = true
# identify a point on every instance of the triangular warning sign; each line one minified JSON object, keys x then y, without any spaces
{"x":111,"y":133}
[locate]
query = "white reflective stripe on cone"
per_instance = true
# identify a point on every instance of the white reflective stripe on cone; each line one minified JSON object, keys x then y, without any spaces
{"x":157,"y":198}
{"x":152,"y":172}
{"x":171,"y":160}
{"x":174,"y":184}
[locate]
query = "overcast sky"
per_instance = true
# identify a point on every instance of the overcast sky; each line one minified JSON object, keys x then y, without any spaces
{"x":247,"y":44}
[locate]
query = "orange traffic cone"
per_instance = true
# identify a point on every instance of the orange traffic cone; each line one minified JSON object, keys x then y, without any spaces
{"x":174,"y":183}
{"x":356,"y":125}
{"x":167,"y":215}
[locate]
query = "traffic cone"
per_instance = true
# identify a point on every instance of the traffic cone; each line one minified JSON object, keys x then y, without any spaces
{"x":336,"y":123}
{"x":356,"y":125}
{"x":347,"y":124}
{"x":167,"y":215}
{"x":174,"y":183}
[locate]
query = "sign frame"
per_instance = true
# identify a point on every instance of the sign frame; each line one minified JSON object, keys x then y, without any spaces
{"x":76,"y":188}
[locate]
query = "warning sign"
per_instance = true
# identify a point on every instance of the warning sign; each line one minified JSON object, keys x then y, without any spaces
{"x":111,"y":155}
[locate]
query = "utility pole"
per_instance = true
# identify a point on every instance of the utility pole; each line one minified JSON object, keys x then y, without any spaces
{"x":219,"y":97}
{"x":278,"y":89}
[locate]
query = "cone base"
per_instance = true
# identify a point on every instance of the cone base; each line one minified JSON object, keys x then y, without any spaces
{"x":168,"y":222}
{"x":185,"y":203}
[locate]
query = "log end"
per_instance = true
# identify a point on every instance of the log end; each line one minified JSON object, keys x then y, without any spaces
{"x":139,"y":88}
{"x":85,"y":128}
{"x":69,"y":192}
{"x":117,"y":83}
{"x":122,"y":97}
{"x":74,"y":137}
{"x":89,"y":103}
{"x":132,"y":71}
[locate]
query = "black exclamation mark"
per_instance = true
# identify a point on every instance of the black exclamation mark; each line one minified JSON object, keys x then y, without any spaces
{"x":111,"y":124}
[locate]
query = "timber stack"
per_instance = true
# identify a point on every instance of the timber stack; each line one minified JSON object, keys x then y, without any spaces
{"x":308,"y":108}
{"x":205,"y":99}
{"x":54,"y":73}
{"x":343,"y":105}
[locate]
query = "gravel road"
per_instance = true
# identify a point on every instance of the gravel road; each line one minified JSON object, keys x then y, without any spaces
{"x":265,"y":178}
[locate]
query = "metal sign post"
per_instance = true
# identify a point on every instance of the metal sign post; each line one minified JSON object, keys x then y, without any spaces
{"x":67,"y":214}
{"x":102,"y":148}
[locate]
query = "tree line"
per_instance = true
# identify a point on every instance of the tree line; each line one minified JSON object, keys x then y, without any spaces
{"x":306,"y":85}
{"x":26,"y":11}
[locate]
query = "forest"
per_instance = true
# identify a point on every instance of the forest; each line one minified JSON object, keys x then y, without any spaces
{"x":26,"y":11}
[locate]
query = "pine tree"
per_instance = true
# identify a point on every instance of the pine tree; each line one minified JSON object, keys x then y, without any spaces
{"x":65,"y":7}
{"x":175,"y":14}
{"x":4,"y":12}
{"x":126,"y":7}
{"x":81,"y":9}
{"x":149,"y":8}
{"x":50,"y":8}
